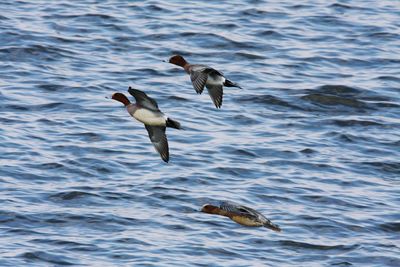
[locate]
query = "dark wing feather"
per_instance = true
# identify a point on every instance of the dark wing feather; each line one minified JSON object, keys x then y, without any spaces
{"x":159,"y":140}
{"x":214,"y":72}
{"x":143,"y":100}
{"x":199,"y":79}
{"x":199,"y":75}
{"x":216,"y":94}
{"x":238,"y":209}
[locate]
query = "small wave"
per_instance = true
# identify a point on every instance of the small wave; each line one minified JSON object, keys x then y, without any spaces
{"x":157,"y":8}
{"x":23,"y":231}
{"x":249,"y":55}
{"x":72,"y":195}
{"x":9,"y":121}
{"x":54,"y":105}
{"x":51,"y":87}
{"x":308,"y":151}
{"x":15,"y":107}
{"x":227,"y":26}
{"x":49,"y":122}
{"x":254,"y":12}
{"x":131,"y":240}
{"x":387,"y":167}
{"x":333,"y":100}
{"x":389,"y":78}
{"x":92,"y":220}
{"x":239,"y":152}
{"x":341,"y":6}
{"x":6,"y":217}
{"x":341,"y":263}
{"x":51,"y":165}
{"x":295,"y":244}
{"x":38,"y":52}
{"x":335,"y":201}
{"x":328,"y":21}
{"x":341,"y":95}
{"x":119,"y":196}
{"x":267,"y":100}
{"x":178,"y":98}
{"x":271,"y":35}
{"x":383,"y":36}
{"x":350,"y":123}
{"x":47,"y":257}
{"x":44,"y":107}
{"x":336,"y":95}
{"x":341,"y":90}
{"x":245,"y":120}
{"x":346,"y":138}
{"x":86,"y":136}
{"x":221,"y":252}
{"x":88,"y":17}
{"x":214,"y":40}
{"x":392,"y":227}
{"x":70,"y":245}
{"x":300,"y":6}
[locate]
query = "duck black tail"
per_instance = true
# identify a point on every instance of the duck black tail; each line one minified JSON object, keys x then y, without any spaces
{"x":173,"y":124}
{"x":228,"y":83}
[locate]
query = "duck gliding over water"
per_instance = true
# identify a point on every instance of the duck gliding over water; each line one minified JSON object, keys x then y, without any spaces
{"x":240,"y":214}
{"x":146,"y":111}
{"x":202,"y":75}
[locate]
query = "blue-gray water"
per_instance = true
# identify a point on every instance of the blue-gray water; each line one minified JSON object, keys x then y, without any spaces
{"x":312,"y":141}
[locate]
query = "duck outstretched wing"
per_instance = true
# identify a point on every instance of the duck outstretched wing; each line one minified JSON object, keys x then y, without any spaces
{"x":159,"y":139}
{"x":143,"y":100}
{"x":238,"y":209}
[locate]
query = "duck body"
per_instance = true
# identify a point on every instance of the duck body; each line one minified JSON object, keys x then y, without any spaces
{"x":205,"y":76}
{"x":241,"y":214}
{"x":147,"y":116}
{"x":147,"y":112}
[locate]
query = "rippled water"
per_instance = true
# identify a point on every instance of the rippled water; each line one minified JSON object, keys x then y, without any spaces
{"x":312,"y":141}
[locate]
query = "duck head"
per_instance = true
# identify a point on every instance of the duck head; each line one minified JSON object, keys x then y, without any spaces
{"x":121,"y":98}
{"x":178,"y":60}
{"x":211,"y":209}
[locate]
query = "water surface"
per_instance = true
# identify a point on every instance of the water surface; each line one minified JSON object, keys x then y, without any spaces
{"x":312,"y":141}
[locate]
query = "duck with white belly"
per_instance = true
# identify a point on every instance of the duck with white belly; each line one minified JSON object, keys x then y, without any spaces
{"x":203,"y":75}
{"x":146,"y":111}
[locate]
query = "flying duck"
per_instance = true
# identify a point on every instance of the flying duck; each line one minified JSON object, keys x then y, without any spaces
{"x":146,"y":111}
{"x":240,"y":214}
{"x":202,"y":75}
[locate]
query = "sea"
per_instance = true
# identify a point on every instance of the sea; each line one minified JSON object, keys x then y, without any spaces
{"x":311,"y":141}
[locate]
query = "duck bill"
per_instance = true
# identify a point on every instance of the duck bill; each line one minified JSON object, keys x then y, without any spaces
{"x":273,"y":227}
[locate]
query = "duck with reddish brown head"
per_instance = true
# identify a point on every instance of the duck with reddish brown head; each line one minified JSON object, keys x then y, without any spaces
{"x":121,"y":98}
{"x":178,"y":60}
{"x":147,"y":112}
{"x":203,"y":75}
{"x":241,"y":214}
